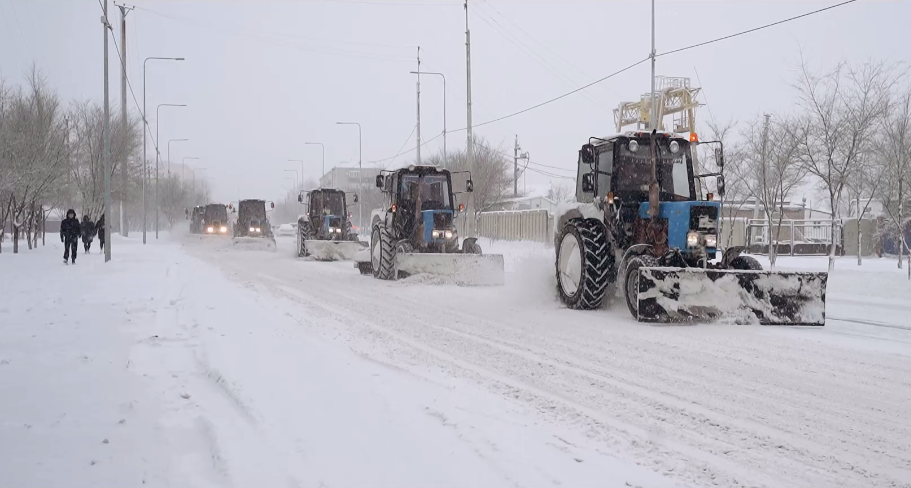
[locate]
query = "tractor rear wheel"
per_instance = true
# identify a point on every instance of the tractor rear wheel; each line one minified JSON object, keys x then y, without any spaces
{"x":584,"y":260}
{"x":382,"y":253}
{"x":631,"y":280}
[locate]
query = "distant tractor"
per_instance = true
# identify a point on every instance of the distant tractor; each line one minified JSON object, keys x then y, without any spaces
{"x":215,"y":221}
{"x":252,"y":228}
{"x":639,"y":222}
{"x":416,"y":231}
{"x":325,"y":232}
{"x":196,"y":217}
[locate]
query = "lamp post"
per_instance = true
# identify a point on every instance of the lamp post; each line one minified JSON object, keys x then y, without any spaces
{"x":444,"y":104}
{"x":169,"y":152}
{"x":323,"y":147}
{"x":360,"y":169}
{"x":301,"y":161}
{"x":158,"y":155}
{"x":296,"y":175}
{"x":145,"y":128}
{"x":183,"y":165}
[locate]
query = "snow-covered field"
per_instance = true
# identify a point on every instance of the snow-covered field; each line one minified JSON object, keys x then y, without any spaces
{"x":187,"y":363}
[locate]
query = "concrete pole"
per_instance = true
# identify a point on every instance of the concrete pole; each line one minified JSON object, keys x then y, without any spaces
{"x":419,"y":107}
{"x":469,"y":149}
{"x":653,"y":117}
{"x":106,"y":151}
{"x":124,"y":230}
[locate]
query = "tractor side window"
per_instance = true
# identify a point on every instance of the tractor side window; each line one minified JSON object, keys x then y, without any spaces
{"x":605,"y":165}
{"x":676,"y":179}
{"x":580,"y":195}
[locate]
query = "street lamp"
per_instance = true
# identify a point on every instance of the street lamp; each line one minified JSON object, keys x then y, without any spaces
{"x":444,"y":104}
{"x":169,"y":152}
{"x":302,"y":167}
{"x":158,"y":155}
{"x":145,"y":128}
{"x":183,"y":165}
{"x":323,"y":147}
{"x":360,"y":170}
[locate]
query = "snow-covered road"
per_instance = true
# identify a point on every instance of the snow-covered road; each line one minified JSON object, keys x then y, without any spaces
{"x":447,"y":386}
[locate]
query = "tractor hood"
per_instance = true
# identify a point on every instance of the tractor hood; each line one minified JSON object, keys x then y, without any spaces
{"x":682,"y":217}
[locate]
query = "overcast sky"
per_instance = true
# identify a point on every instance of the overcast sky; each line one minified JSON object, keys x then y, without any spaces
{"x":261,"y":78}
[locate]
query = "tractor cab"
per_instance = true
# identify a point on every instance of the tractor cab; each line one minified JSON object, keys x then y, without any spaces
{"x":637,"y":176}
{"x":421,"y":206}
{"x":327,"y":216}
{"x":216,"y":219}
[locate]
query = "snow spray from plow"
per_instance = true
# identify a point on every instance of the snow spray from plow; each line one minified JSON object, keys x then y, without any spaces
{"x":331,"y":250}
{"x":769,"y":297}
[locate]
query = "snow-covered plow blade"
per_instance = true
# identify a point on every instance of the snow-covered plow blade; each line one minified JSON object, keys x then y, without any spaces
{"x":331,"y":250}
{"x":766,"y":297}
{"x":254,"y":243}
{"x":458,"y":268}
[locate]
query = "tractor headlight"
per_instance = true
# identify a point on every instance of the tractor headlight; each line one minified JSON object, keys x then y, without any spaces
{"x":633,"y":146}
{"x":335,"y":230}
{"x":252,"y":229}
{"x":448,"y":234}
{"x":223,"y":229}
{"x":436,"y":234}
{"x":711,"y":240}
{"x":692,"y":239}
{"x":258,"y":229}
{"x":674,"y":147}
{"x":210,"y":229}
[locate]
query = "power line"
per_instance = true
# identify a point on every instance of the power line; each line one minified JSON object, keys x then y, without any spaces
{"x":756,"y":28}
{"x":413,"y":129}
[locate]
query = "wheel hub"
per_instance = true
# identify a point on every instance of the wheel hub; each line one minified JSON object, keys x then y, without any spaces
{"x":570,"y":264}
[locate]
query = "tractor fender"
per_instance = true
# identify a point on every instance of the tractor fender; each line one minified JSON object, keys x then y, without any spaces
{"x":730,"y":254}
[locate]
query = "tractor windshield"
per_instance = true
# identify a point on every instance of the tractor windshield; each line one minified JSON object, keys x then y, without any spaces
{"x":632,"y":173}
{"x":327,"y":203}
{"x":252,"y":209}
{"x":433,"y":191}
{"x":216,"y":213}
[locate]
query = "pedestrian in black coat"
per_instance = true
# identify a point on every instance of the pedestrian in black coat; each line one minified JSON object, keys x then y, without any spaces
{"x":88,"y":232}
{"x":99,"y":228}
{"x":69,"y":235}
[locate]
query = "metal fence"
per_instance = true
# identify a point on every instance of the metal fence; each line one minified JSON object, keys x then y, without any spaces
{"x":794,"y":237}
{"x":514,"y":225}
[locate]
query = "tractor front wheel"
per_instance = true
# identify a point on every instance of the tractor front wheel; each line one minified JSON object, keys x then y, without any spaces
{"x":631,"y":280}
{"x":382,"y":253}
{"x":745,"y":263}
{"x":303,"y":233}
{"x":470,"y":246}
{"x":583,"y":264}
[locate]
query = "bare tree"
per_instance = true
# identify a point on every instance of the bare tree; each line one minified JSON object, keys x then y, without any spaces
{"x":842,"y":108}
{"x":492,"y":174}
{"x":736,"y":190}
{"x":771,"y":169}
{"x":559,"y":192}
{"x":894,"y":150}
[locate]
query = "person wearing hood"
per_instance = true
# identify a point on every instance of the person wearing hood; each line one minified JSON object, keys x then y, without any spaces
{"x":88,"y":232}
{"x":99,"y":228}
{"x":69,"y":235}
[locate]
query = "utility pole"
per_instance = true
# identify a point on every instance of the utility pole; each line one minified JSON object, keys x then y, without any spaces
{"x":106,"y":150}
{"x":515,"y":168}
{"x":469,"y":150}
{"x":653,"y":116}
{"x":124,"y":231}
{"x":419,"y":106}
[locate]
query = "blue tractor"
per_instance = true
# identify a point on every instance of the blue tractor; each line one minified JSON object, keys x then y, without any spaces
{"x":325,"y":232}
{"x":416,"y":232}
{"x":640,"y":222}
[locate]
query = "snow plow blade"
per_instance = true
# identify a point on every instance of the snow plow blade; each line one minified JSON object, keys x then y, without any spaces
{"x":254,"y":243}
{"x":460,"y":269}
{"x":332,"y":250}
{"x":766,"y":297}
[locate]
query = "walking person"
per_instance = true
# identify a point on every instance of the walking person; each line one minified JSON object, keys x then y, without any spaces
{"x":99,"y":228}
{"x":69,"y":235}
{"x":88,"y":232}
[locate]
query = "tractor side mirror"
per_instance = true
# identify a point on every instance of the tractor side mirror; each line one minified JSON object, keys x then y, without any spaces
{"x":272,"y":204}
{"x":300,"y":199}
{"x":380,"y":181}
{"x":587,"y":154}
{"x":588,"y":183}
{"x":719,"y":157}
{"x":719,"y":182}
{"x":469,"y":186}
{"x":355,"y":198}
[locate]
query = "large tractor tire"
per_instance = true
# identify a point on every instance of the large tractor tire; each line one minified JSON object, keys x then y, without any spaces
{"x":382,"y":253}
{"x":745,"y":263}
{"x":304,"y":232}
{"x":584,"y":260}
{"x":631,"y":280}
{"x":470,"y":246}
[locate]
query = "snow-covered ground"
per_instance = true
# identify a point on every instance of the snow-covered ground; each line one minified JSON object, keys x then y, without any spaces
{"x":202,"y":365}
